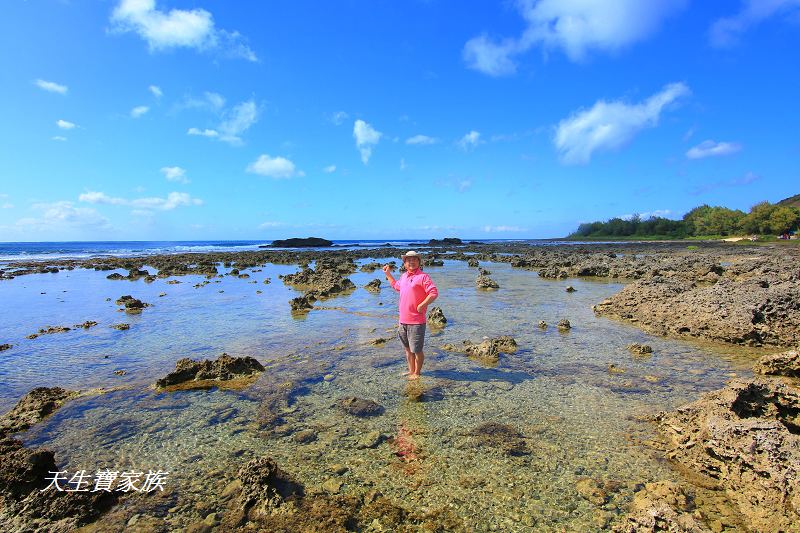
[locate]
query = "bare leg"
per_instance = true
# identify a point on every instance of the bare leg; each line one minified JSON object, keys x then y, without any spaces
{"x":410,"y":361}
{"x":419,"y":359}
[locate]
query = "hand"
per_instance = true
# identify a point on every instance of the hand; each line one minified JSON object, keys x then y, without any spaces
{"x":421,"y":308}
{"x":387,"y":269}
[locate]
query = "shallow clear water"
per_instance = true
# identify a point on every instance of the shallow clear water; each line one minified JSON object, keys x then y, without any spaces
{"x":578,"y":419}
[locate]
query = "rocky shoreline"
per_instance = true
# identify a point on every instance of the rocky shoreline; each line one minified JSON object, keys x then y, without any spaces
{"x":742,"y":442}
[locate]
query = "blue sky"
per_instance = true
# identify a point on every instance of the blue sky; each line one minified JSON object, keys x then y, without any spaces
{"x":208,"y":119}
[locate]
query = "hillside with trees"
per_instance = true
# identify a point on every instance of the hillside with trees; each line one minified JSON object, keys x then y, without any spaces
{"x":763,"y":218}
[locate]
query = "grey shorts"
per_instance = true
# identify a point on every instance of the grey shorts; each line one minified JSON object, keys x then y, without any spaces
{"x":412,"y":336}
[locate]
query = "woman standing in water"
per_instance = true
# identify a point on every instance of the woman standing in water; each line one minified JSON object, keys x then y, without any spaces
{"x":416,"y":291}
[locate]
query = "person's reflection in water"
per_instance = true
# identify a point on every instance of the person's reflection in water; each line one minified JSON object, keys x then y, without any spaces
{"x":412,"y":428}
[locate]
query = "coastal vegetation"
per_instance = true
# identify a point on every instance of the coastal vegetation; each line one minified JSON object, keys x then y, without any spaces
{"x":763,"y":218}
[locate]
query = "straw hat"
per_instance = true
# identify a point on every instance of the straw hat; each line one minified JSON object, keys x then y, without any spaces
{"x":411,"y":253}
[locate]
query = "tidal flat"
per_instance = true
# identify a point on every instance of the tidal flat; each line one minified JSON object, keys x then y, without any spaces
{"x":554,"y":437}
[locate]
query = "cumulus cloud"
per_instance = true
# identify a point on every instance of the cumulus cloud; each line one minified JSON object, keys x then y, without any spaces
{"x":58,"y":215}
{"x":273,"y":167}
{"x":711,"y":148}
{"x":202,"y":133}
{"x":610,"y":125}
{"x":421,"y":139}
{"x":176,"y":174}
{"x":470,"y":140}
{"x":178,"y":28}
{"x":138,"y":111}
{"x":366,"y":137}
{"x":172,"y":201}
{"x":51,"y":86}
{"x":330,"y":169}
{"x":155,"y":90}
{"x":65,"y":125}
{"x":726,"y":31}
{"x":576,"y":27}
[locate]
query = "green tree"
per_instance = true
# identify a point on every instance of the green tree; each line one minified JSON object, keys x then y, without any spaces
{"x":758,"y":219}
{"x":783,"y":219}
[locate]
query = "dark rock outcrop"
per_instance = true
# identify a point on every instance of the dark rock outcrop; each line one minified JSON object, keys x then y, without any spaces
{"x":661,"y":506}
{"x":189,"y":373}
{"x":640,"y":349}
{"x":485,"y":282}
{"x":132,"y":305}
{"x":4,"y":347}
{"x":436,"y":318}
{"x":373,"y":286}
{"x":488,"y":351}
{"x":297,"y":242}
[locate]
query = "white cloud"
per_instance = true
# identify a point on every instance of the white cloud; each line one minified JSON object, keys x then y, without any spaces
{"x":237,"y":121}
{"x":178,"y":28}
{"x":138,"y":111}
{"x":51,"y":86}
{"x":203,"y":133}
{"x":270,"y":224}
{"x":402,"y":163}
{"x":7,"y":205}
{"x":210,"y":101}
{"x":273,"y":167}
{"x":172,"y":201}
{"x":463,"y":185}
{"x":65,"y":125}
{"x":711,"y":148}
{"x":575,"y":26}
{"x":470,"y":140}
{"x":610,"y":125}
{"x":503,"y":229}
{"x":58,"y":215}
{"x":726,"y":31}
{"x":366,"y":137}
{"x":330,"y":169}
{"x":156,"y":91}
{"x":58,"y":138}
{"x":339,"y":117}
{"x":176,"y":174}
{"x":421,"y":139}
{"x":660,"y":213}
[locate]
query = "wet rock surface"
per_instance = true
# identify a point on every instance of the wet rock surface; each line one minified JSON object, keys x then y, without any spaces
{"x":640,"y":349}
{"x":359,"y":407}
{"x":744,"y":440}
{"x":503,"y":437}
{"x":4,"y":347}
{"x":373,"y":286}
{"x":436,"y":318}
{"x":661,"y":506}
{"x":485,"y":282}
{"x":190,"y":373}
{"x":753,"y":311}
{"x":488,"y":351}
{"x":131,"y":304}
{"x":34,"y":407}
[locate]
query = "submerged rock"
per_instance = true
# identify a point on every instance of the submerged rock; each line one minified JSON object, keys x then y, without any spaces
{"x":264,"y":487}
{"x":744,"y":440}
{"x":564,"y":324}
{"x":224,"y":368}
{"x":542,"y":324}
{"x":570,"y":288}
{"x":86,"y":325}
{"x":49,"y":330}
{"x":661,"y":506}
{"x":436,"y":318}
{"x":4,"y":347}
{"x":121,"y":327}
{"x":640,"y":349}
{"x":359,"y":407}
{"x":34,"y":407}
{"x":501,"y":436}
{"x":780,"y":364}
